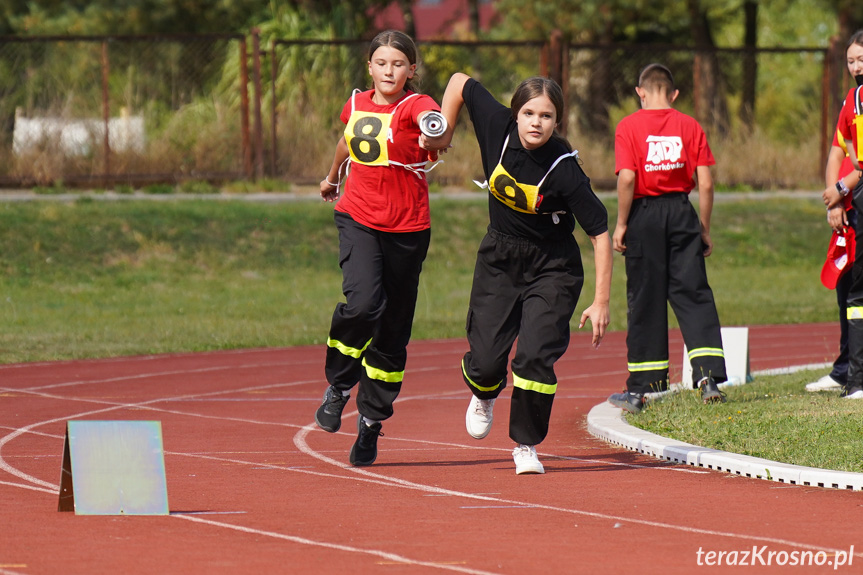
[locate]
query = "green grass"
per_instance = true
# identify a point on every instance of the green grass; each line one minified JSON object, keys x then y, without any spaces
{"x":100,"y":278}
{"x":772,"y":418}
{"x":96,"y":279}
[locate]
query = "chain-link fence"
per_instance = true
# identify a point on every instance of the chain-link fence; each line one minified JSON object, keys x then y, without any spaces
{"x":111,"y":110}
{"x":104,"y":110}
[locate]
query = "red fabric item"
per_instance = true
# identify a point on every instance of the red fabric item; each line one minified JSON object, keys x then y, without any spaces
{"x":663,"y":148}
{"x":840,"y":257}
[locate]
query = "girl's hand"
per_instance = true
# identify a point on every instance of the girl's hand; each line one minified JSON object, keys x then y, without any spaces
{"x":598,"y":315}
{"x":837,"y":218}
{"x":831,"y":197}
{"x":329,"y":192}
{"x":433,"y":145}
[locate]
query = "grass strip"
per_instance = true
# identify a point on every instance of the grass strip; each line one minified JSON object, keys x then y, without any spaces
{"x":773,"y":417}
{"x":93,"y":278}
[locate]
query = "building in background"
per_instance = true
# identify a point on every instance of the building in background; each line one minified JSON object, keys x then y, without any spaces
{"x":436,"y":19}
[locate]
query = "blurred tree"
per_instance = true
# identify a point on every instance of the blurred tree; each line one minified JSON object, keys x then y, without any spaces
{"x":710,"y":96}
{"x":44,"y":17}
{"x":9,"y":10}
{"x":750,"y":64}
{"x":850,"y":20}
{"x":693,"y":23}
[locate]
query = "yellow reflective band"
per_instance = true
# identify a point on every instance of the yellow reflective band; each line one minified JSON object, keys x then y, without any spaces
{"x":854,"y":313}
{"x":647,"y":366}
{"x":706,"y":351}
{"x":346,"y":349}
{"x":381,"y":375}
{"x":479,"y":387}
{"x":528,"y":385}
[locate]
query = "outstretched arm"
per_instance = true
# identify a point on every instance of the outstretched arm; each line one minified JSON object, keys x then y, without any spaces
{"x":450,"y":107}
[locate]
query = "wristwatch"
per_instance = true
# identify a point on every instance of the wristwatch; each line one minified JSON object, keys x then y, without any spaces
{"x":842,"y":188}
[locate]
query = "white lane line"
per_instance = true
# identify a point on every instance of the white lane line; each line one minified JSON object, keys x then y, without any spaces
{"x":54,"y":491}
{"x":153,"y":374}
{"x":300,"y":442}
{"x":399,"y":559}
{"x":4,"y":466}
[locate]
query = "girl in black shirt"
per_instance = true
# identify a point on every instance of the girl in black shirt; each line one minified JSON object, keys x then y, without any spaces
{"x":528,"y":274}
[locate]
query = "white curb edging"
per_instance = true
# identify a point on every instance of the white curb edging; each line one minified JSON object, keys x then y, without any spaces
{"x":607,"y":422}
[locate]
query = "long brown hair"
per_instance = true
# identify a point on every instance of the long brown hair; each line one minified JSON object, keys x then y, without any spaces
{"x":540,"y":86}
{"x":404,"y":44}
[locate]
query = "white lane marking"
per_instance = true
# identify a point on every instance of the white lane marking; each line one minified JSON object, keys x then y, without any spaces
{"x":400,"y":559}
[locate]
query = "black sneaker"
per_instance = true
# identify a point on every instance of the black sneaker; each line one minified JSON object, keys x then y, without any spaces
{"x":627,"y":401}
{"x":710,"y":391}
{"x":329,"y":414}
{"x":365,"y":449}
{"x":855,"y":392}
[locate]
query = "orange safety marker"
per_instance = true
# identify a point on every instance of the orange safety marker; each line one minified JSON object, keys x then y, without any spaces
{"x":113,"y":468}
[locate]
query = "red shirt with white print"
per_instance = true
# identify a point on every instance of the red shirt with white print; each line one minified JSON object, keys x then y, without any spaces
{"x":663,"y":147}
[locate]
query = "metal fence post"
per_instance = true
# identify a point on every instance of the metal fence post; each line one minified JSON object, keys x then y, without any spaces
{"x":106,"y":111}
{"x":273,"y":112}
{"x":259,"y":135}
{"x":244,"y":109}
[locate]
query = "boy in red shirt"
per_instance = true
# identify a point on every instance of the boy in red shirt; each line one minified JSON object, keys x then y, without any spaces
{"x":657,"y":152}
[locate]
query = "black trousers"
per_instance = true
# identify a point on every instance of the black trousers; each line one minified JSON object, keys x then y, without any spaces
{"x":843,"y":288}
{"x":854,"y":311}
{"x":370,"y":331}
{"x":665,"y":263}
{"x":527,"y":290}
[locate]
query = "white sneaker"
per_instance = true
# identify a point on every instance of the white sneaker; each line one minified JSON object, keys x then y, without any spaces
{"x":526,"y":460}
{"x":826,"y":383}
{"x":479,"y":416}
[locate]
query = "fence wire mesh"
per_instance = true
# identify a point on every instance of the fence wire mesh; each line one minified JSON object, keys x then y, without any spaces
{"x":119,"y":109}
{"x":109,"y":110}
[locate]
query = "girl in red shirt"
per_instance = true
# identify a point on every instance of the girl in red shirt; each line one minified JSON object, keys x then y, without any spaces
{"x":384,"y":230}
{"x":835,"y":196}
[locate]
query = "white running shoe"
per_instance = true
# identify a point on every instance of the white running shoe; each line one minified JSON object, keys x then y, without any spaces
{"x":826,"y":383}
{"x":479,"y":416}
{"x":526,"y":460}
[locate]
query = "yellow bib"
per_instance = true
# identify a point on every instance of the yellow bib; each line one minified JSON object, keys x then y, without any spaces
{"x":520,"y":197}
{"x":858,"y":123}
{"x":366,"y":134}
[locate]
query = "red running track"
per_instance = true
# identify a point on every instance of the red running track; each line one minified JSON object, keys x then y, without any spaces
{"x":255,"y":487}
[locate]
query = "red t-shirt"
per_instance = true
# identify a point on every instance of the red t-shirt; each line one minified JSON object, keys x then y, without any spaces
{"x":663,"y":148}
{"x":389,"y":197}
{"x":846,"y":131}
{"x":845,"y":124}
